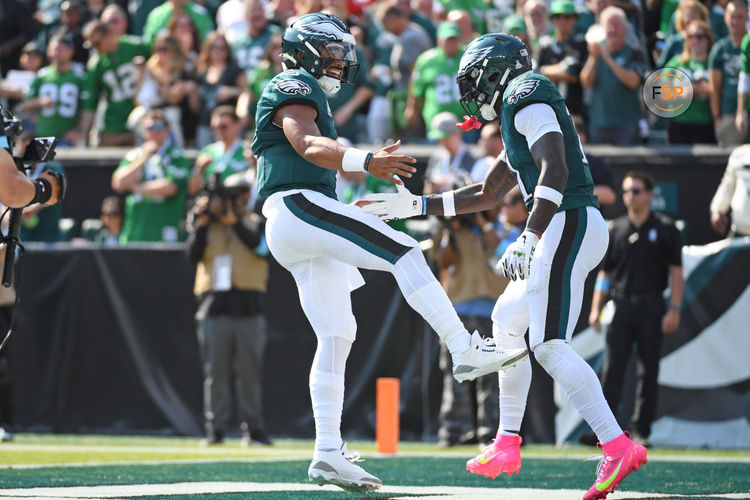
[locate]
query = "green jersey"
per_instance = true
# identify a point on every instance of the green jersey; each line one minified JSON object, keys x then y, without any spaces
{"x":116,"y":76}
{"x":158,"y":19}
{"x":68,"y":90}
{"x":434,"y":81}
{"x":699,"y":111}
{"x":745,"y":48}
{"x":531,"y":88}
{"x":249,"y":50}
{"x":280,"y":168}
{"x":224,"y":161}
{"x":727,"y":59}
{"x":156,"y":218}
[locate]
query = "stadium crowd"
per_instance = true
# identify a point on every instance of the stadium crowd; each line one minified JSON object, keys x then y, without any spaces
{"x":89,"y":71}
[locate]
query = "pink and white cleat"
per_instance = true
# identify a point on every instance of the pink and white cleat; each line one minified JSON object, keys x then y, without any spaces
{"x":621,"y":457}
{"x":504,"y":455}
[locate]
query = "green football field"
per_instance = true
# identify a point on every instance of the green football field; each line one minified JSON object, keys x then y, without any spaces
{"x":83,"y":467}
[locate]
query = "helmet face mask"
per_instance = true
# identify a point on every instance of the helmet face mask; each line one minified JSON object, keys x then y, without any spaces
{"x":489,"y":63}
{"x":322,"y":45}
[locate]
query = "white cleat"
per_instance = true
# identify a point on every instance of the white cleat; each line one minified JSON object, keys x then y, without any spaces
{"x":339,"y":468}
{"x":483,"y":358}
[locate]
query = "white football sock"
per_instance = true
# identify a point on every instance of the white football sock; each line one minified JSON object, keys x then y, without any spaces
{"x":514,"y":385}
{"x":327,"y":390}
{"x":579,"y":383}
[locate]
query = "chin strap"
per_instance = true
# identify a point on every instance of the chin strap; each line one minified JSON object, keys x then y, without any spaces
{"x":469,"y":123}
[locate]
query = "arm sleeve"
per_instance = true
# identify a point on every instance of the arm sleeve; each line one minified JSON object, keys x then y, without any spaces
{"x":195,"y":244}
{"x":675,"y":246}
{"x":535,"y":120}
{"x":250,"y":238}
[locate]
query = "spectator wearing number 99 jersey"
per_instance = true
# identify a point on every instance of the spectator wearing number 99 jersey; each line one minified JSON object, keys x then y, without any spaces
{"x":58,"y":93}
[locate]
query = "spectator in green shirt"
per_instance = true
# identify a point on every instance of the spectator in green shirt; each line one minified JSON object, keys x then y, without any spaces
{"x":155,"y":176}
{"x":57,"y":94}
{"x":223,"y":157}
{"x":725,"y":63}
{"x":614,"y":71}
{"x":433,"y":81}
{"x":112,"y":72}
{"x":694,"y":125}
{"x":158,"y":19}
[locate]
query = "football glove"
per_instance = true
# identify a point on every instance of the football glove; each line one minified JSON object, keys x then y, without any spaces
{"x":399,"y":205}
{"x":516,"y":261}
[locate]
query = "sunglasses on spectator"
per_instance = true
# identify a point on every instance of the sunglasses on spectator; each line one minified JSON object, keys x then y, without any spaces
{"x":698,"y":36}
{"x":156,"y":126}
{"x":634,"y":191}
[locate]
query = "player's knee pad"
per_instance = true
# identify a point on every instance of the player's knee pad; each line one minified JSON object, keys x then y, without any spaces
{"x":510,"y":320}
{"x":341,"y":325}
{"x":412,"y":272}
{"x":552,"y":352}
{"x":509,"y":336}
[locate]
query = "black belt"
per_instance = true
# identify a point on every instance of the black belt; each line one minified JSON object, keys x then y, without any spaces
{"x":635,"y":298}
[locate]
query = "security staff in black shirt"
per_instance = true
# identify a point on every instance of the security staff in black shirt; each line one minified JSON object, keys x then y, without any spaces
{"x":644,"y":251}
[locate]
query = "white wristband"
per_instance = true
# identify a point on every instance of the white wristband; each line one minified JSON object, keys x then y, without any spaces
{"x":354,"y":160}
{"x":548,"y":193}
{"x":449,"y":205}
{"x":743,"y":84}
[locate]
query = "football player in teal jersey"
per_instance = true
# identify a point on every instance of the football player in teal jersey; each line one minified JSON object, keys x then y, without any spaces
{"x":322,"y":241}
{"x":565,"y":238}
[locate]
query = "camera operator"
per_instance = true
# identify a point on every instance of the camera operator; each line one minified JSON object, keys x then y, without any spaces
{"x":230,"y":285}
{"x":17,"y":190}
{"x":473,"y":286}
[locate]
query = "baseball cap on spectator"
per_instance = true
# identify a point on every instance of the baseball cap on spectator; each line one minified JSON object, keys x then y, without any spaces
{"x":447,"y":30}
{"x":32,"y":47}
{"x":564,"y":7}
{"x":514,"y":24}
{"x":443,"y":125}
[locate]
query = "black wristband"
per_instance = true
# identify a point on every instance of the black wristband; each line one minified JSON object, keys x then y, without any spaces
{"x":43,"y":191}
{"x":367,"y":162}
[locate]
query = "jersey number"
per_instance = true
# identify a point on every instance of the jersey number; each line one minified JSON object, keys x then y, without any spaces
{"x":446,"y":89}
{"x":65,"y":98}
{"x":121,"y":82}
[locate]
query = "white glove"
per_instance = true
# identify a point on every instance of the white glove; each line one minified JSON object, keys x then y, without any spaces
{"x":516,"y":261}
{"x":399,"y":205}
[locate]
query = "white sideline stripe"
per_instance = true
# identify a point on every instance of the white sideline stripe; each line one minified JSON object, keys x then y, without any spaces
{"x":202,"y":488}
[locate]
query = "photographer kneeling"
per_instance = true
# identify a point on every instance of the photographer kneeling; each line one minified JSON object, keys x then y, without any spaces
{"x":230,"y":285}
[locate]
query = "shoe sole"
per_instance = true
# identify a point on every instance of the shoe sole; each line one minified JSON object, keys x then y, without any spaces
{"x":637,"y":465}
{"x":320,"y":478}
{"x":504,"y":365}
{"x":507,"y":468}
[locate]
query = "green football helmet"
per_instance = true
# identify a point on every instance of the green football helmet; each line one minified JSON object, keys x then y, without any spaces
{"x":322,"y":45}
{"x":488,"y":64}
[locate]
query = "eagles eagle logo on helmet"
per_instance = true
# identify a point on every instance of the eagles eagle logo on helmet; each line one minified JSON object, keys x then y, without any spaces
{"x":522,"y":90}
{"x":326,"y":29}
{"x":291,"y":86}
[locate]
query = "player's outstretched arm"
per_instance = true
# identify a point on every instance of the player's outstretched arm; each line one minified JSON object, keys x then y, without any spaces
{"x":549,"y":155}
{"x":473,"y":198}
{"x":298,"y":123}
